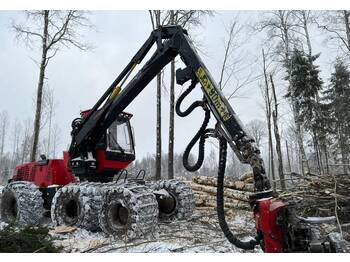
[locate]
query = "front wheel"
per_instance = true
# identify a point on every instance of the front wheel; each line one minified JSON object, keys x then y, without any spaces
{"x":21,"y":204}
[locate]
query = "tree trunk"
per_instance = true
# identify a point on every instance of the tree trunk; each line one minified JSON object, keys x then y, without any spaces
{"x":307,"y":36}
{"x":326,"y":157}
{"x":347,"y":27}
{"x":285,"y":36}
{"x":171,"y":113}
{"x":316,"y":149}
{"x":159,"y":129}
{"x":158,"y":174}
{"x":277,"y":137}
{"x":268,"y":118}
{"x":342,"y":149}
{"x":40,"y":88}
{"x":315,"y":137}
{"x":303,"y":159}
{"x":288,"y":158}
{"x":171,"y":122}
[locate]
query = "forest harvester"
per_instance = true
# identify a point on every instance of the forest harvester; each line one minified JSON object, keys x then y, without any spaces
{"x":83,"y":189}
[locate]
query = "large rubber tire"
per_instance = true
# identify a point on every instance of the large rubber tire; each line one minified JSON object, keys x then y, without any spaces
{"x":66,"y":206}
{"x":183,"y":196}
{"x":128,"y":211}
{"x":22,"y":204}
{"x":91,"y":203}
{"x":338,"y":244}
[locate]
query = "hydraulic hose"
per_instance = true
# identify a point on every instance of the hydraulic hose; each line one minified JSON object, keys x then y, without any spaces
{"x":246,"y":245}
{"x":200,"y":135}
{"x":182,"y":97}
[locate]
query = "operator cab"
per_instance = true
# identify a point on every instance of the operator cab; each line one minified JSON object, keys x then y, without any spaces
{"x":118,"y":141}
{"x":114,"y":152}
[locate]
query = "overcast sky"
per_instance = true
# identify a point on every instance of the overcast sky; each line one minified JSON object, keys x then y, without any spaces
{"x":80,"y":78}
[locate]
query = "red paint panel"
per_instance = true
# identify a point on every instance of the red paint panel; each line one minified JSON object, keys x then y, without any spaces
{"x":103,"y":163}
{"x":53,"y":173}
{"x":266,"y":222}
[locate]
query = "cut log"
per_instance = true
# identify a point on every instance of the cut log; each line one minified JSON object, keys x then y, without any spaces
{"x":204,"y":195}
{"x":212,"y":181}
{"x":63,"y":230}
{"x":239,"y":195}
{"x":228,"y":211}
{"x":203,"y":199}
{"x":211,"y":203}
{"x":246,"y":176}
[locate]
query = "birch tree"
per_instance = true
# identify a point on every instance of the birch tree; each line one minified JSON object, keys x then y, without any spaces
{"x":186,"y":19}
{"x":280,"y":26}
{"x":257,"y":130}
{"x":337,"y":25}
{"x":236,"y":70}
{"x":268,"y":111}
{"x":277,"y":134}
{"x":53,"y":30}
{"x":303,"y":19}
{"x":155,"y":16}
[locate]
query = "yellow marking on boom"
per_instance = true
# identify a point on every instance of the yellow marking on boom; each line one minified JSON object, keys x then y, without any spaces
{"x":213,"y":94}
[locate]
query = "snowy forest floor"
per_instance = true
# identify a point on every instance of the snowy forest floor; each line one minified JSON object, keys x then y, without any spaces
{"x":200,"y":234}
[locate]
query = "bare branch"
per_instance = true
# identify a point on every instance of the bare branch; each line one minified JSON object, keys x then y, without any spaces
{"x":51,"y":56}
{"x":152,"y":20}
{"x":228,"y":51}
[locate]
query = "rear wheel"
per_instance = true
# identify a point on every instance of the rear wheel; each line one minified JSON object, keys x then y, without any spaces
{"x":338,"y":244}
{"x":181,"y":203}
{"x":22,"y":204}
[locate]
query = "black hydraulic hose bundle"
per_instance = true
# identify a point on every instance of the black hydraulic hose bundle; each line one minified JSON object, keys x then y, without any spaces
{"x":201,"y":135}
{"x":247,"y":245}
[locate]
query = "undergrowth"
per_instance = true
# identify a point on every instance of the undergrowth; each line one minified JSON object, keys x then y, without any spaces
{"x":27,"y":240}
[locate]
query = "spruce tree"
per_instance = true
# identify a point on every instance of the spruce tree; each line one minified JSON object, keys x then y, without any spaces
{"x":305,"y":87}
{"x":337,"y":98}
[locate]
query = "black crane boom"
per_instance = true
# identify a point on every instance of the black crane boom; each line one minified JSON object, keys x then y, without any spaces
{"x":171,"y":41}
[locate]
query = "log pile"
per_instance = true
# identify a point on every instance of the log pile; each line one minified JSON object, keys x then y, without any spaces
{"x":319,"y":195}
{"x":236,"y":192}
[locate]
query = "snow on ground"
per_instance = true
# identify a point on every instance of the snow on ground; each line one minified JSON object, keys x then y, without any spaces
{"x":2,"y":225}
{"x":201,"y":234}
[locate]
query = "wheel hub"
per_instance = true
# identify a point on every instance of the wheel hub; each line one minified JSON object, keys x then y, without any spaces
{"x":166,"y":202}
{"x":72,"y":210}
{"x":118,"y":215}
{"x":9,"y":207}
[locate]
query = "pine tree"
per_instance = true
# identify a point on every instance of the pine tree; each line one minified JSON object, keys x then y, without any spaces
{"x":337,"y":98}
